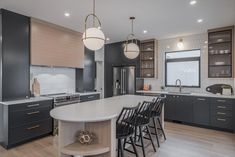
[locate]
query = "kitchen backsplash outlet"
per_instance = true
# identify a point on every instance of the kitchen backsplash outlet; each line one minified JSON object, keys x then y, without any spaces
{"x":53,"y":79}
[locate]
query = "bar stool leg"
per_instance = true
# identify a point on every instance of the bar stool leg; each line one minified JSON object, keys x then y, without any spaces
{"x":118,"y":147}
{"x":134,"y":147}
{"x":160,"y":124}
{"x":142,"y":142}
{"x":156,"y":131}
{"x":151,"y":139}
{"x":121,"y":148}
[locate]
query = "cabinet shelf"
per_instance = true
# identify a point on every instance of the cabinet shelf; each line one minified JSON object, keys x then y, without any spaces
{"x":221,"y":65}
{"x":84,"y":150}
{"x":224,"y":42}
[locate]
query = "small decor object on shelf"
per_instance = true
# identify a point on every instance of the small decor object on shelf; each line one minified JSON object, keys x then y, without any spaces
{"x":36,"y":88}
{"x":86,"y":137}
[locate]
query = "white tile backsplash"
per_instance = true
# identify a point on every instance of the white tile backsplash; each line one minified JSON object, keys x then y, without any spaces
{"x":190,"y":42}
{"x":53,"y":79}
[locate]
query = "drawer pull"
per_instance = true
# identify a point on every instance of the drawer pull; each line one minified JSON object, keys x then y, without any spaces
{"x":201,"y":99}
{"x":221,"y":113}
{"x":221,"y":107}
{"x":33,"y":127}
{"x":89,"y":97}
{"x":34,"y":105}
{"x":221,"y":101}
{"x":31,"y":113}
{"x":220,"y":119}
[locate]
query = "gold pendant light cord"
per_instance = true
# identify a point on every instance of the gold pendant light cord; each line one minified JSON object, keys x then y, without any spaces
{"x":94,"y":13}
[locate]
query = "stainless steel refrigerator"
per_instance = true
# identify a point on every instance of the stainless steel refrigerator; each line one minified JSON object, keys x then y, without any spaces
{"x":123,"y":80}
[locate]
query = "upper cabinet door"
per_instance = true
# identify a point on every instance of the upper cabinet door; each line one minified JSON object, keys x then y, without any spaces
{"x":52,"y":45}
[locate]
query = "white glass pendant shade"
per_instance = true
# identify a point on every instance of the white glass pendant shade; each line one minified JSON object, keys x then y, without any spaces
{"x":131,"y":50}
{"x":93,"y":38}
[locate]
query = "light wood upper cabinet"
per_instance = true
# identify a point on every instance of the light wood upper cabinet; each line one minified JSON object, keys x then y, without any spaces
{"x":52,"y":45}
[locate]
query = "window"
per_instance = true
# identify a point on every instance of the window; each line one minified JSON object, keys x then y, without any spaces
{"x":183,"y":65}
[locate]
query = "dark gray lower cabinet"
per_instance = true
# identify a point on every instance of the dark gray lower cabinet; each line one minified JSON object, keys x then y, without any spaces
{"x":211,"y":112}
{"x":90,"y":97}
{"x":201,"y":110}
{"x":26,"y":121}
{"x":222,"y":113}
{"x":179,"y":108}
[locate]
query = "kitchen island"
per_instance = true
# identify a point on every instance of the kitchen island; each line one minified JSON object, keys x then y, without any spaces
{"x":97,"y":116}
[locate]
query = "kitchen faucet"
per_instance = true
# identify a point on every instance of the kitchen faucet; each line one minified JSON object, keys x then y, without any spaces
{"x":180,"y":87}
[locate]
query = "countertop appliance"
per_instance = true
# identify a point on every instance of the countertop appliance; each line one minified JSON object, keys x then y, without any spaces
{"x":124,"y":80}
{"x":218,"y":88}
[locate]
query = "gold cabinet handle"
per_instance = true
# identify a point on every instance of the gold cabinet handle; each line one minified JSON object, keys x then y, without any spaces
{"x":220,"y":119}
{"x":221,"y":100}
{"x":221,"y":107}
{"x":33,"y":127}
{"x":221,"y":113}
{"x":31,"y":113}
{"x":201,"y":99}
{"x":33,"y":105}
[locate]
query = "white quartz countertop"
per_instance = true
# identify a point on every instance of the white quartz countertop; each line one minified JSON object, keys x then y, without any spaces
{"x":188,"y":94}
{"x":33,"y":99}
{"x":98,"y":110}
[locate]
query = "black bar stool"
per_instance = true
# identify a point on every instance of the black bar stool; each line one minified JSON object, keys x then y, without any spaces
{"x":156,"y":118}
{"x":141,"y":122}
{"x":125,"y":130}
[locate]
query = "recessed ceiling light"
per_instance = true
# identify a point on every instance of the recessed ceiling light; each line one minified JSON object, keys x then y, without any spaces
{"x":206,"y":42}
{"x":66,"y":14}
{"x":107,"y":39}
{"x":200,"y":20}
{"x":193,"y":2}
{"x":145,"y":31}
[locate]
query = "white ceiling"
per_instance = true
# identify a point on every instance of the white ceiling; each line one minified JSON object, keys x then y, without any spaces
{"x":162,"y":18}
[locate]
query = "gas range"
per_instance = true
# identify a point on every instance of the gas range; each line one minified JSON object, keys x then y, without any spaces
{"x":61,"y":99}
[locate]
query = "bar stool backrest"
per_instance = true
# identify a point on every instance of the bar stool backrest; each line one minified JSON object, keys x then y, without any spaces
{"x":127,"y":113}
{"x":145,"y":109}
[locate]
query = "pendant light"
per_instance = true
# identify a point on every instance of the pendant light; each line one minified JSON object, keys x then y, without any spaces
{"x":93,"y":38}
{"x":131,"y":48}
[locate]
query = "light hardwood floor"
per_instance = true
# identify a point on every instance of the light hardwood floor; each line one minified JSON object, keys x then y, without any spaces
{"x":182,"y":141}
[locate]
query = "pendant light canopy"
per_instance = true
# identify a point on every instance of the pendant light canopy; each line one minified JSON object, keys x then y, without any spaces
{"x":131,"y":48}
{"x":93,"y":37}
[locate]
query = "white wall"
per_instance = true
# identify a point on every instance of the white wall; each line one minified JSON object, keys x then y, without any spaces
{"x":190,"y":42}
{"x":54,"y":80}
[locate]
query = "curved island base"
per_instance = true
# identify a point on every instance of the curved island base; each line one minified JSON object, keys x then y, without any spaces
{"x":104,"y":145}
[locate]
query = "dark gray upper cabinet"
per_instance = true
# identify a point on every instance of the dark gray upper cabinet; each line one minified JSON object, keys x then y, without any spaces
{"x":15,"y":55}
{"x":201,"y":110}
{"x":114,"y":56}
{"x":89,"y":74}
{"x":85,"y":78}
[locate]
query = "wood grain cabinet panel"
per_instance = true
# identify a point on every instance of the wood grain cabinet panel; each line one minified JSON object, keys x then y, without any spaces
{"x":52,"y":45}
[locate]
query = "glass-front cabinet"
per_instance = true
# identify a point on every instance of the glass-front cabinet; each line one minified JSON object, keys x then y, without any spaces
{"x":148,"y":58}
{"x":220,"y":52}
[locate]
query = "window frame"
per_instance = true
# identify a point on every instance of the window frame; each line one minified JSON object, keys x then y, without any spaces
{"x":182,"y":60}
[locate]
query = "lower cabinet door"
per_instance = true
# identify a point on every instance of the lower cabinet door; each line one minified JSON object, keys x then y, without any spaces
{"x":169,"y":108}
{"x":201,"y":111}
{"x":29,"y":131}
{"x":184,"y":109}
